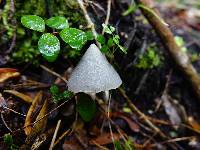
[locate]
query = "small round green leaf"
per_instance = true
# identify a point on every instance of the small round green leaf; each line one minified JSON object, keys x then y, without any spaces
{"x":33,"y":22}
{"x":101,"y":39}
{"x":49,"y":46}
{"x":89,"y":35}
{"x":74,"y":37}
{"x":57,"y":22}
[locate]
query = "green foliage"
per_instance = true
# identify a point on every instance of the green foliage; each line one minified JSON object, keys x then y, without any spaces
{"x":149,"y":60}
{"x":180,"y":42}
{"x":6,"y":28}
{"x":7,"y":138}
{"x":86,"y":107}
{"x":33,"y":22}
{"x":127,"y":145}
{"x":27,"y":53}
{"x":113,"y":41}
{"x":49,"y":46}
{"x":101,"y":39}
{"x":118,"y":145}
{"x":57,"y":22}
{"x":58,"y":96}
{"x":74,"y":37}
{"x":132,"y":8}
{"x":89,"y":35}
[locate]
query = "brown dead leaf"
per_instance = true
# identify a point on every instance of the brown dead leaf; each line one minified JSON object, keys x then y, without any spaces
{"x":40,"y":124}
{"x":31,"y":111}
{"x":132,"y":125}
{"x":171,"y":110}
{"x":104,"y":139}
{"x":71,"y":144}
{"x":7,"y":73}
{"x":22,"y":96}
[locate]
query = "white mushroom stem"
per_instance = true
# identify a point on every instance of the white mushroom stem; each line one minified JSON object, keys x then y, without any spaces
{"x":106,"y":96}
{"x":92,"y":95}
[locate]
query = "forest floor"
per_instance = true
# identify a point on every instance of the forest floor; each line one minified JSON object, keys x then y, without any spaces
{"x":155,"y":107}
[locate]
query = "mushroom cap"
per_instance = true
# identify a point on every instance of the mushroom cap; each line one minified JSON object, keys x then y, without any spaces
{"x":93,"y":73}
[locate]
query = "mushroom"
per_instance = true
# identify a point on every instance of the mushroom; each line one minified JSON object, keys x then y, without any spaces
{"x":93,"y":74}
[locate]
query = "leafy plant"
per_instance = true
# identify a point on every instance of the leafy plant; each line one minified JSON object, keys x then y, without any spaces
{"x":33,"y":22}
{"x":113,"y":40}
{"x":49,"y":44}
{"x":7,"y":138}
{"x":58,"y":96}
{"x":74,"y":37}
{"x":149,"y":60}
{"x":57,"y":22}
{"x":86,"y":107}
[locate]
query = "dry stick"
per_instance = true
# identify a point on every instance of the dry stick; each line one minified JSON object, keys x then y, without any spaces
{"x":14,"y":111}
{"x":89,"y":21}
{"x":174,"y":140}
{"x":100,"y":146}
{"x":108,"y":13}
{"x":54,"y":73}
{"x":61,"y":137}
{"x":181,"y":59}
{"x":135,"y":109}
{"x":54,"y":135}
{"x":4,"y":122}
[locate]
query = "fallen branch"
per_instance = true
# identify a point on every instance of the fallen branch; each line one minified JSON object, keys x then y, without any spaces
{"x":180,"y":58}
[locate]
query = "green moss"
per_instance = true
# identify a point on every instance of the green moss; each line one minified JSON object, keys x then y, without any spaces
{"x":26,"y":54}
{"x":149,"y":59}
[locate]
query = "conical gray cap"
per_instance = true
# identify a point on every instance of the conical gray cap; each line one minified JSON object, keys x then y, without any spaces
{"x":93,"y":73}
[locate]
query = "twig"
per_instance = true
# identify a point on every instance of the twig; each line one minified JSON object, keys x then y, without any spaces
{"x":89,"y":21}
{"x":4,"y":122}
{"x":135,"y":109}
{"x":54,"y":73}
{"x":14,"y":111}
{"x":61,"y":137}
{"x":100,"y":146}
{"x":108,"y":13}
{"x":142,"y":81}
{"x":174,"y":140}
{"x":55,"y":134}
